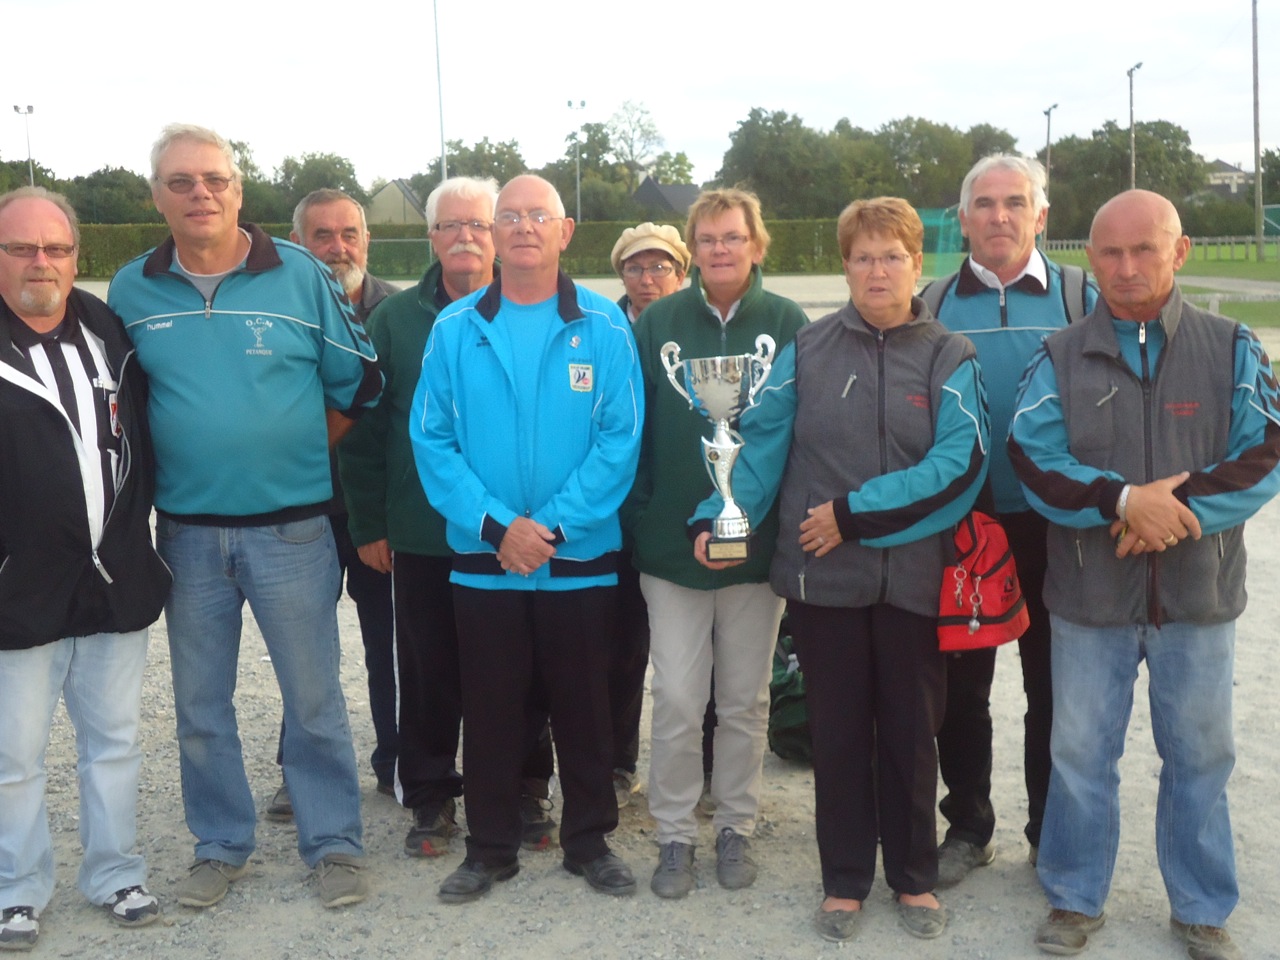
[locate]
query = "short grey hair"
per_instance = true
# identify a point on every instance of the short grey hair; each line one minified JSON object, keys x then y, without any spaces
{"x":40,"y":193}
{"x":319,"y":198}
{"x":463,"y":188}
{"x":1029,"y":167}
{"x":190,"y":131}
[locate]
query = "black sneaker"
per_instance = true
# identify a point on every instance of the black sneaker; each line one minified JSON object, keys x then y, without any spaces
{"x":19,"y":928}
{"x":433,"y":825}
{"x":132,"y":907}
{"x":538,"y":828}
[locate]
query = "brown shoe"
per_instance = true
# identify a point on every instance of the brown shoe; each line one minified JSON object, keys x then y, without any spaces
{"x":1066,"y":932}
{"x":1205,"y":943}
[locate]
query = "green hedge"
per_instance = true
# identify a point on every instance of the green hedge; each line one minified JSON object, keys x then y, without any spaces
{"x":401,"y":251}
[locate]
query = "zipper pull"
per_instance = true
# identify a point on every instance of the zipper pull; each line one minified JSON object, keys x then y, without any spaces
{"x":208,"y":309}
{"x":802,"y":585}
{"x":101,"y":569}
{"x":1142,"y":333}
{"x":847,"y":386}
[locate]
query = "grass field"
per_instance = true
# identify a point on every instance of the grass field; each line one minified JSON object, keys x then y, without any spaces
{"x":1201,"y":267}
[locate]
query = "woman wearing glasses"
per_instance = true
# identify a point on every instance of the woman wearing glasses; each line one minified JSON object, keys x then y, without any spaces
{"x":700,"y":617}
{"x":873,"y":438}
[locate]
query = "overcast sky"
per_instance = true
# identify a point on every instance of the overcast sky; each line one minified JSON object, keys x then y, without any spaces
{"x":104,"y":77}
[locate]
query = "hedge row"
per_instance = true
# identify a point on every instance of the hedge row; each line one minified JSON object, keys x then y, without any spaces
{"x":401,"y":251}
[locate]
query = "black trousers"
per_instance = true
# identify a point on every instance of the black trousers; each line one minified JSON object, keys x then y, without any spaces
{"x":510,"y":641}
{"x":964,"y":742}
{"x":875,"y":684}
{"x":629,"y":658}
{"x":431,"y":689}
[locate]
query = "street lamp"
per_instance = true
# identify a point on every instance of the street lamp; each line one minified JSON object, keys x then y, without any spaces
{"x":444,"y":147}
{"x":26,"y":116}
{"x":577,"y":139}
{"x":1133,"y":143}
{"x":1048,"y":162}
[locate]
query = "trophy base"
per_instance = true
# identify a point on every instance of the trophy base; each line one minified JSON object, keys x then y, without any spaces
{"x":728,"y":548}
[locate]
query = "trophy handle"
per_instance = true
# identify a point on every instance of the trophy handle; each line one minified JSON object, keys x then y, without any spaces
{"x":763,"y":363}
{"x":670,"y":354}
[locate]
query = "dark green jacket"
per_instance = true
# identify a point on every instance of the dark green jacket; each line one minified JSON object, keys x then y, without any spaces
{"x":672,"y":478}
{"x":380,"y":480}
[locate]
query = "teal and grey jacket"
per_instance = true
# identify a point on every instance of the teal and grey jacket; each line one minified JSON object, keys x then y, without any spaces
{"x":1108,"y":402}
{"x":1006,"y":328}
{"x":240,"y":382}
{"x":891,"y":426}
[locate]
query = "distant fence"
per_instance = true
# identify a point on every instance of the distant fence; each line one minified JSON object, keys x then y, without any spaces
{"x":1202,"y":248}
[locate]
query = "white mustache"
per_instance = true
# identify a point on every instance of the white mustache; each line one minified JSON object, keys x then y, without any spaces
{"x":467,"y":248}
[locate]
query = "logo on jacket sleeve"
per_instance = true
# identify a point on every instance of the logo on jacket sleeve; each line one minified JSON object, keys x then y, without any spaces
{"x":580,"y":377}
{"x":259,"y":327}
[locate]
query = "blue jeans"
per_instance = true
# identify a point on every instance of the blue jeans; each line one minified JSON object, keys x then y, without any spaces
{"x":100,"y":678}
{"x":289,"y":575}
{"x":1190,"y":672}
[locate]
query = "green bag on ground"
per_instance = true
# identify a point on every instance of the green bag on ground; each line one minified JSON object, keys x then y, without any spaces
{"x":788,"y":713}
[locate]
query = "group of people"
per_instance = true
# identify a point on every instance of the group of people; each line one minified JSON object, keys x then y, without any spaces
{"x":522,"y":496}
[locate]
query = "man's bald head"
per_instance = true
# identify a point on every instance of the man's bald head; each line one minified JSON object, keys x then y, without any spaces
{"x":1135,"y":247}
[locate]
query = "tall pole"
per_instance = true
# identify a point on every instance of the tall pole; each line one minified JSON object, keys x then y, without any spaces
{"x":31,"y":167}
{"x":444,"y":162}
{"x":577,"y":139}
{"x":1133,"y":141}
{"x":1257,"y":147}
{"x":1048,"y":162}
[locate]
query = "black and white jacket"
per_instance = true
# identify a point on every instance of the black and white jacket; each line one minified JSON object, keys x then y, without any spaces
{"x":66,"y":570}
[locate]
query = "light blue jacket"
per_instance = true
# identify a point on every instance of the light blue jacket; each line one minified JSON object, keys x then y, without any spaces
{"x":562,"y":453}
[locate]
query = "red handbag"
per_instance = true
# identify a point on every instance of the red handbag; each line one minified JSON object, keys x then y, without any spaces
{"x":981,"y":602}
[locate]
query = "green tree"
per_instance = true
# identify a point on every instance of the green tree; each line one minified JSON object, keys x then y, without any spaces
{"x":987,"y":140}
{"x":1270,"y":180}
{"x":634,"y":137}
{"x":502,"y":161}
{"x":931,"y":159}
{"x":111,"y":195}
{"x":314,"y":171}
{"x":671,"y":167}
{"x":1088,"y":171}
{"x":777,"y":157}
{"x":15,"y":173}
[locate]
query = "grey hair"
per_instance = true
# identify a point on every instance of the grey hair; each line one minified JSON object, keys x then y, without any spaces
{"x":174,"y":132}
{"x":464,"y":188}
{"x":40,"y":193}
{"x":1029,"y":167}
{"x":318,"y":198}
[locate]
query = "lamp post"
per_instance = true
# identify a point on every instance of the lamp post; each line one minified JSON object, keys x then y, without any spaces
{"x":1048,"y":162}
{"x":577,"y":139}
{"x":444,"y":162}
{"x":26,"y":117}
{"x":1133,"y":143}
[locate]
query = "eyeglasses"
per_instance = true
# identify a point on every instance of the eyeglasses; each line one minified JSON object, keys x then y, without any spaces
{"x":658,"y":271}
{"x":890,"y":261}
{"x":28,"y":251}
{"x":509,"y":219}
{"x":450,"y":227}
{"x":214,"y":184}
{"x":731,"y":241}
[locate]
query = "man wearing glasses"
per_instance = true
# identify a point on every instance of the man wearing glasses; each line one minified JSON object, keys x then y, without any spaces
{"x":397,"y":532}
{"x":246,"y":341}
{"x":526,"y":428}
{"x":79,"y":580}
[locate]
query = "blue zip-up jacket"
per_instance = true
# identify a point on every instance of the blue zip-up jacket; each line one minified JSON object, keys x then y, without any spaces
{"x":240,"y":382}
{"x":889,"y":425}
{"x":563,"y":454}
{"x":1006,"y":327}
{"x":1109,"y":402}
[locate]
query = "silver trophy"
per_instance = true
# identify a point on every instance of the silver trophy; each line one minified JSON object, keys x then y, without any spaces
{"x":722,"y":388}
